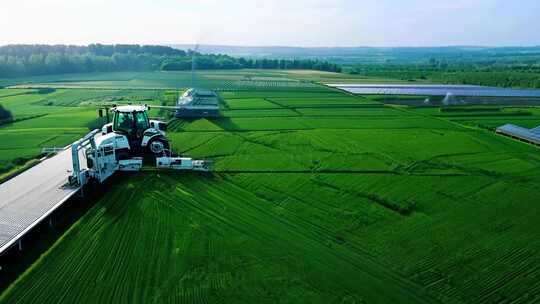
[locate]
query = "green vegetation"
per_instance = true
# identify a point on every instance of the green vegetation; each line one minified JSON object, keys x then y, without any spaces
{"x":487,"y":76}
{"x":76,"y":97}
{"x":466,"y":55}
{"x":16,"y":167}
{"x":486,"y":117}
{"x":52,"y":111}
{"x":205,"y":239}
{"x":317,"y":197}
{"x":30,"y":60}
{"x":244,"y":80}
{"x":492,"y":66}
{"x":510,"y":67}
{"x":35,"y":119}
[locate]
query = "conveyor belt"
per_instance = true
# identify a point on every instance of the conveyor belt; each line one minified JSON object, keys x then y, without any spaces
{"x":30,"y":197}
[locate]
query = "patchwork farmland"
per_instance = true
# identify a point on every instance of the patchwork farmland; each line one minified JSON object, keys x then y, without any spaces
{"x":317,"y":196}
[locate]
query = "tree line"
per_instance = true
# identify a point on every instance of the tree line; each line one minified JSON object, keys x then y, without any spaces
{"x":33,"y":60}
{"x":210,"y":62}
{"x":519,"y":75}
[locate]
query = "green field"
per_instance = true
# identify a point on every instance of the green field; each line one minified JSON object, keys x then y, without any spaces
{"x":37,"y":126}
{"x":317,"y":197}
{"x":252,"y":80}
{"x":55,"y":118}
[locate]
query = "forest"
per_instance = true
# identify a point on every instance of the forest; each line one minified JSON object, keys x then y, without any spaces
{"x":31,"y":60}
{"x":516,"y":75}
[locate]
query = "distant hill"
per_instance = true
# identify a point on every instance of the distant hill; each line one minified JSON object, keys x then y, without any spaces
{"x":368,"y":54}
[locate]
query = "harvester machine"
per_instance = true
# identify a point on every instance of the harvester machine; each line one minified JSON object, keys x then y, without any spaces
{"x":122,"y":145}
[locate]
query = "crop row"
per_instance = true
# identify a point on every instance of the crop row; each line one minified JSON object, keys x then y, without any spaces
{"x":189,"y":238}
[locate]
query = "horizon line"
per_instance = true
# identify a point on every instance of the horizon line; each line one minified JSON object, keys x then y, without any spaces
{"x":286,"y":46}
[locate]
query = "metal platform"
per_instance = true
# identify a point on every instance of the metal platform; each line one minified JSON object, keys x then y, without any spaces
{"x":30,"y":197}
{"x":531,"y":136}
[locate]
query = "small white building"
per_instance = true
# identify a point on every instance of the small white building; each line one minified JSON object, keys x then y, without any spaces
{"x":198,"y":103}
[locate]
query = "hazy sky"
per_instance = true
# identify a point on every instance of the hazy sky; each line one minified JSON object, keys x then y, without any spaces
{"x":273,"y":22}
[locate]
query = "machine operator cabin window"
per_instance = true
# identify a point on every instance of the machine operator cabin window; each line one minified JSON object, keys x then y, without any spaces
{"x":142,"y":122}
{"x":124,"y":122}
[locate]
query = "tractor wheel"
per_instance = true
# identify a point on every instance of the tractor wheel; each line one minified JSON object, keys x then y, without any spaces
{"x":158,"y":146}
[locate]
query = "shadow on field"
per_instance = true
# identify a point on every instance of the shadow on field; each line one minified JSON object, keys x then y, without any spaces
{"x":44,"y":91}
{"x":224,"y":123}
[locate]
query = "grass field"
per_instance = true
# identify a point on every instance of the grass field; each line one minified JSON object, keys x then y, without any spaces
{"x":317,"y":197}
{"x":55,"y":118}
{"x":217,"y":80}
{"x":37,"y":126}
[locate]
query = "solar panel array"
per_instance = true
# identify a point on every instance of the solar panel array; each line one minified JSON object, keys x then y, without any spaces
{"x":435,"y":90}
{"x":530,"y":135}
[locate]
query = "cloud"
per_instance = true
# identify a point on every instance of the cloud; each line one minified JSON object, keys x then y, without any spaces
{"x":267,"y":22}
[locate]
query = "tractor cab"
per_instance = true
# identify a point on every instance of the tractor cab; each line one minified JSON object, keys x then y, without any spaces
{"x":131,"y":121}
{"x":132,"y":124}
